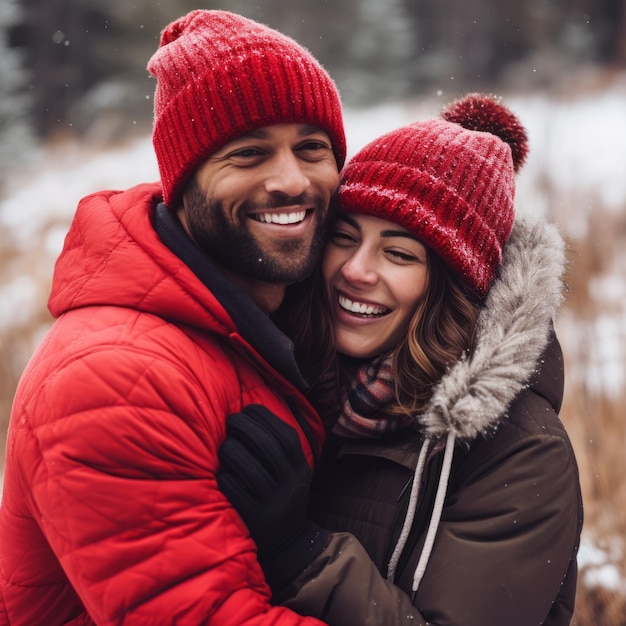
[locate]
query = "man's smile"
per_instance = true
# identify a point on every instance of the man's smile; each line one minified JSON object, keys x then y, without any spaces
{"x":280,"y":217}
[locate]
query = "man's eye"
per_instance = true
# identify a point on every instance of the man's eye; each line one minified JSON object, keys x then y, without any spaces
{"x":246,"y":153}
{"x":314,"y":147}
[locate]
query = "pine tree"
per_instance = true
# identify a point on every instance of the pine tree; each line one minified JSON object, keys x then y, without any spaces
{"x":15,"y":135}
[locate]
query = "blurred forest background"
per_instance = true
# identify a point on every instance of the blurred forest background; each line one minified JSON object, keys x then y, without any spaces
{"x":78,"y":66}
{"x":74,"y":71}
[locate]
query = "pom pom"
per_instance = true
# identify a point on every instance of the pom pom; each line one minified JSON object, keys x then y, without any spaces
{"x":174,"y":30}
{"x":486,"y":114}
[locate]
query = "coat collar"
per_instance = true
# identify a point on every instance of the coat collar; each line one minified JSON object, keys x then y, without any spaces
{"x":513,"y":330}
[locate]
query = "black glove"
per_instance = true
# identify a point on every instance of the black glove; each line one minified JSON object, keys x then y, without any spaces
{"x":266,"y":477}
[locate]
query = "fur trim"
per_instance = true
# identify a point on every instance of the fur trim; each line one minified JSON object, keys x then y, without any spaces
{"x":512,"y":333}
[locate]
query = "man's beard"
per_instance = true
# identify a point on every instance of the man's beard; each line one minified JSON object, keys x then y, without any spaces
{"x":233,"y":247}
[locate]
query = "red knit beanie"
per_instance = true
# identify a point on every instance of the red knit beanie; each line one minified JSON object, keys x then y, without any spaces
{"x":220,"y":75}
{"x":450,"y":182}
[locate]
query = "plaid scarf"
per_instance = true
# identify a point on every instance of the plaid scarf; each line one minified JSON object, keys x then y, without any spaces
{"x":362,"y":415}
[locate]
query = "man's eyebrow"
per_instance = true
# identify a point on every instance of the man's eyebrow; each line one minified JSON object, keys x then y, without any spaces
{"x":309,"y":129}
{"x":257,"y":133}
{"x":263,"y":133}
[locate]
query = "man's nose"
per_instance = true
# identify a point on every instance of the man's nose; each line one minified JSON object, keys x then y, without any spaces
{"x":286,"y":175}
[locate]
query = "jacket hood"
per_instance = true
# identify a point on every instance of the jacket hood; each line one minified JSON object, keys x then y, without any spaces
{"x":112,"y":255}
{"x":512,"y":332}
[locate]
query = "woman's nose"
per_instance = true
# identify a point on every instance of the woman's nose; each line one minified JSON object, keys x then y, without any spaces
{"x":360,"y":268}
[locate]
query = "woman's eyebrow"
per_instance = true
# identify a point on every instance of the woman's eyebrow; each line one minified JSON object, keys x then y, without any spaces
{"x":349,"y":220}
{"x":399,"y":233}
{"x":388,"y":232}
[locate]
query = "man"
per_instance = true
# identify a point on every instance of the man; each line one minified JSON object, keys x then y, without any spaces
{"x":111,"y":512}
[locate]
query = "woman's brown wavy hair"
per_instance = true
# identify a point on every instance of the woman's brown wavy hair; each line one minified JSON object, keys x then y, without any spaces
{"x":439,"y":333}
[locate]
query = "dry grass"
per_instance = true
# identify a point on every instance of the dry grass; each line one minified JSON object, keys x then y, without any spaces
{"x":594,"y":418}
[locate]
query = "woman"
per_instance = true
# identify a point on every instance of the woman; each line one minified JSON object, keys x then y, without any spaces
{"x":428,"y":335}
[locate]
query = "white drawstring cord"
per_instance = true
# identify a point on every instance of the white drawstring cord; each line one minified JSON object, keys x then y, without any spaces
{"x":436,"y":515}
{"x":410,"y":513}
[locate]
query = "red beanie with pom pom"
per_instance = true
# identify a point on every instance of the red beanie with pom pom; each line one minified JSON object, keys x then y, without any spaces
{"x":449,"y":181}
{"x":220,"y":75}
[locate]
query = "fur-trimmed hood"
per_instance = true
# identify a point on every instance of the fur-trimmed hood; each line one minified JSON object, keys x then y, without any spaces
{"x":512,"y":332}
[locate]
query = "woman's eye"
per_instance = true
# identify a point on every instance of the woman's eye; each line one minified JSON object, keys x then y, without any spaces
{"x":402,"y":256}
{"x":341,"y":237}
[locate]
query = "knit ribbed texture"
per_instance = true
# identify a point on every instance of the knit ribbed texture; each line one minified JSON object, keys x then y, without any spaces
{"x":451,"y":187}
{"x":220,"y":75}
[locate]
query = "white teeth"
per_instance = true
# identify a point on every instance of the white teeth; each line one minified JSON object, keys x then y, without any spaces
{"x":360,"y":307}
{"x":280,"y":218}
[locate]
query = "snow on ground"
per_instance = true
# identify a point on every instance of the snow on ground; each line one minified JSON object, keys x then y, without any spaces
{"x":600,"y":566}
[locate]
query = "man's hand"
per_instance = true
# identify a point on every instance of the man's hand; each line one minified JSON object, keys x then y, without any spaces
{"x":265,"y":475}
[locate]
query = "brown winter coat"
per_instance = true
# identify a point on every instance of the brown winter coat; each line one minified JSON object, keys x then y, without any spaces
{"x":505,"y":547}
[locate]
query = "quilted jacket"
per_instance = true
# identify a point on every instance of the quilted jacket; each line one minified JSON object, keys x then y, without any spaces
{"x":111,"y":512}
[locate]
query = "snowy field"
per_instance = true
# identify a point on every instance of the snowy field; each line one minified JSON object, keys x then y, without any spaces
{"x":578,"y":145}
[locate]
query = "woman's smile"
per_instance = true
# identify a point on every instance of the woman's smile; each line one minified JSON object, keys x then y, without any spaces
{"x":362,"y":309}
